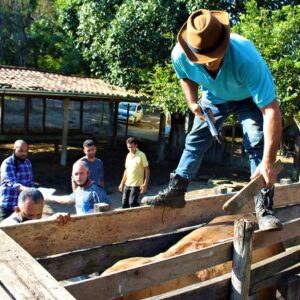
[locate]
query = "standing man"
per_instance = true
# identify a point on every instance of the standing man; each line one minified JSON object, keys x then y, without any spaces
{"x":30,"y":207}
{"x":86,"y":194}
{"x":136,"y":176}
{"x":95,"y":164}
{"x":234,"y":79}
{"x":16,"y":176}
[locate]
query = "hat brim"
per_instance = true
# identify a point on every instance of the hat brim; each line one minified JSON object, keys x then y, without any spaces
{"x":216,"y":53}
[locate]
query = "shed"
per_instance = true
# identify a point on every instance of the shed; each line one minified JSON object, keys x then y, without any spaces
{"x":43,"y":90}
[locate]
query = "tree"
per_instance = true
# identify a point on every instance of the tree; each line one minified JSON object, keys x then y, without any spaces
{"x":30,"y":36}
{"x":167,"y":94}
{"x":276,"y":35}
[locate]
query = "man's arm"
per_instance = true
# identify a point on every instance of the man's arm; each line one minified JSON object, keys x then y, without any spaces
{"x":190,"y":90}
{"x":272,"y":137}
{"x":121,"y":186}
{"x":60,"y":199}
{"x":144,"y":186}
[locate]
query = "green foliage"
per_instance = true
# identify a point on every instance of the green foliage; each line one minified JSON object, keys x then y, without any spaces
{"x":165,"y":91}
{"x":276,"y":35}
{"x":32,"y":37}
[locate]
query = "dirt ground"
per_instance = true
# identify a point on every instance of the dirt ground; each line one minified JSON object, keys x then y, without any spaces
{"x":49,"y":173}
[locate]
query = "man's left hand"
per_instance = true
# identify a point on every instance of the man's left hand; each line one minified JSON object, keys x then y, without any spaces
{"x":143,"y":188}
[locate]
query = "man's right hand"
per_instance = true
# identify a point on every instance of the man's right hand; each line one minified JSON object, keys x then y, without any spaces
{"x":195,"y":108}
{"x":62,"y":218}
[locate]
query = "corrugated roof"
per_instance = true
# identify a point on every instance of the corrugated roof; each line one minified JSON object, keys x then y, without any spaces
{"x":17,"y":80}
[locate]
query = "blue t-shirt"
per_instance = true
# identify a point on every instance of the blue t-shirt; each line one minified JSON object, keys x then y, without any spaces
{"x":85,"y":199}
{"x":96,"y":169}
{"x":243,"y":74}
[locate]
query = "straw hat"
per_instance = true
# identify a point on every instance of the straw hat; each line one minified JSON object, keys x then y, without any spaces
{"x":205,"y":36}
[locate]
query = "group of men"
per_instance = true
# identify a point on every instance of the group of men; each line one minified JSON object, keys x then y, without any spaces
{"x":20,"y":201}
{"x":234,"y":79}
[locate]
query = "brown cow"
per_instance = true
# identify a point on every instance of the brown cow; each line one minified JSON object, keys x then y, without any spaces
{"x":218,"y":229}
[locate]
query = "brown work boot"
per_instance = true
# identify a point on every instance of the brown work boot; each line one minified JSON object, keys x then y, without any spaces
{"x":172,"y":196}
{"x":263,"y":208}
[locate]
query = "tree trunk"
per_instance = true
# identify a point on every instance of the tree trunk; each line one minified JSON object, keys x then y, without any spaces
{"x":177,"y":136}
{"x":161,"y":138}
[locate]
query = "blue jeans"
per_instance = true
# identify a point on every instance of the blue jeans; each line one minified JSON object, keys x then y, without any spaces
{"x":199,"y":140}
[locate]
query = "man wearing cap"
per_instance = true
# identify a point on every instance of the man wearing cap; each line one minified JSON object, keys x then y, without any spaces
{"x":234,"y":78}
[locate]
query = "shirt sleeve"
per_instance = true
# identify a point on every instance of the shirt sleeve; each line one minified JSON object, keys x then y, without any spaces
{"x":30,"y":171}
{"x":144,"y":160}
{"x":178,"y":66}
{"x":8,"y":176}
{"x":73,"y":197}
{"x":260,"y":83}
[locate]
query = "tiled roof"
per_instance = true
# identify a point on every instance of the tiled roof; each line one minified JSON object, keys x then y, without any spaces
{"x":30,"y":81}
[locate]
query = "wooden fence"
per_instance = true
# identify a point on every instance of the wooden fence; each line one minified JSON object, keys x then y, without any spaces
{"x":94,"y":242}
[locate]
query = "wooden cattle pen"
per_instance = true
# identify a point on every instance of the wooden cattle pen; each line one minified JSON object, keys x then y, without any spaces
{"x":37,"y":258}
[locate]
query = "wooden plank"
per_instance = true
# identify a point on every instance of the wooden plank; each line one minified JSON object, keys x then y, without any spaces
{"x":290,"y":289}
{"x":219,"y":287}
{"x":64,"y":143}
{"x":263,"y":239}
{"x":44,"y":238}
{"x":23,"y":277}
{"x":236,"y":202}
{"x":137,"y":278}
{"x":284,"y":195}
{"x":100,"y":258}
{"x":241,"y":262}
{"x":88,"y":261}
{"x":4,"y":293}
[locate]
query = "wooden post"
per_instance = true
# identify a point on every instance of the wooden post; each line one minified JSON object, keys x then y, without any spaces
{"x":44,"y":115}
{"x":101,"y":207}
{"x":2,"y":115}
{"x":81,"y":116}
{"x":127,"y":118}
{"x":297,"y":158}
{"x":22,"y":277}
{"x":241,"y":263}
{"x":64,"y":144}
{"x":161,"y":137}
{"x":115,"y":124}
{"x":26,"y":117}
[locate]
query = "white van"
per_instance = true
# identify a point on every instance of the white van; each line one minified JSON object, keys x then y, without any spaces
{"x":135,"y":113}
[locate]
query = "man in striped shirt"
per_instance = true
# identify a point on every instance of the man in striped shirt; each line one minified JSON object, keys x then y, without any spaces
{"x":16,"y":176}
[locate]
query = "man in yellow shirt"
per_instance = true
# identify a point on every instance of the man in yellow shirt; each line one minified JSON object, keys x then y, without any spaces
{"x":136,"y":175}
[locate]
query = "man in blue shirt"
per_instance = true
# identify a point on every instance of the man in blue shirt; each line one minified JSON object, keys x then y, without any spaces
{"x":95,"y":164}
{"x":86,"y":194}
{"x":16,"y":176}
{"x":234,"y":79}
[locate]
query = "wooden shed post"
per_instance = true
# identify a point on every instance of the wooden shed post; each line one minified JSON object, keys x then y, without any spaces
{"x":64,"y":144}
{"x":26,"y":117}
{"x":44,"y":115}
{"x":115,"y":123}
{"x":241,"y":263}
{"x":2,"y":115}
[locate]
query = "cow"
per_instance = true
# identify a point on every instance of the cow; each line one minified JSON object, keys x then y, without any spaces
{"x":212,"y":233}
